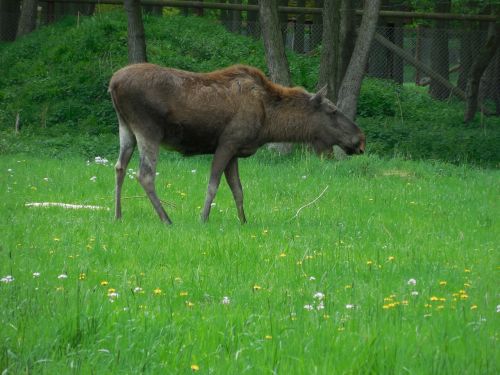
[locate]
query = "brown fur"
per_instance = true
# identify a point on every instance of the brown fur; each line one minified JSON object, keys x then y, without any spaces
{"x":229,"y":113}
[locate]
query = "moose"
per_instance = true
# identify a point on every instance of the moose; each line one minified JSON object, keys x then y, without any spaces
{"x":229,"y":113}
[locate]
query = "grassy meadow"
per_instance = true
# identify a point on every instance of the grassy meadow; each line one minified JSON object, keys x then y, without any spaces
{"x":393,"y":269}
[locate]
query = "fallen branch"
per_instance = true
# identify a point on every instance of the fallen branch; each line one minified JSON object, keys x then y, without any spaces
{"x":308,"y":204}
{"x":66,"y":205}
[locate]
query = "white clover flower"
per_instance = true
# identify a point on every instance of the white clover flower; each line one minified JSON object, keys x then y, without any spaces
{"x":312,"y":278}
{"x":36,"y":274}
{"x":62,"y":276}
{"x":498,"y":308}
{"x":93,"y":178}
{"x":137,"y":289}
{"x":412,"y":282}
{"x":319,"y":295}
{"x":113,"y":295}
{"x":7,"y":279}
{"x":309,"y":307}
{"x":102,"y":161}
{"x":304,"y":177}
{"x":414,"y":293}
{"x":46,"y":179}
{"x":193,"y":170}
{"x":350,"y":306}
{"x":320,"y":306}
{"x":226,"y":300}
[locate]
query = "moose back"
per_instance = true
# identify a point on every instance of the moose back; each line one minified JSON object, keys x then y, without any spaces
{"x":229,"y":113}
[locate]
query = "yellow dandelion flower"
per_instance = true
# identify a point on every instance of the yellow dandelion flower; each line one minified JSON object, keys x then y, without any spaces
{"x":467,"y":270}
{"x":265,"y":232}
{"x":157,"y":292}
{"x":443,"y":283}
{"x":369,"y":262}
{"x":464,"y":296}
{"x":268,"y":337}
{"x":391,"y":258}
{"x":282,"y":254}
{"x":434,"y":298}
{"x":428,"y":305}
{"x":195,"y":367}
{"x":299,"y":263}
{"x":388,"y":299}
{"x":104,"y":282}
{"x":349,"y":286}
{"x":82,"y":276}
{"x":183,"y":294}
{"x":111,"y":290}
{"x":189,"y":304}
{"x":404,"y":303}
{"x":326,"y":316}
{"x":442,"y":299}
{"x":57,"y":239}
{"x":257,"y":287}
{"x":473,"y":307}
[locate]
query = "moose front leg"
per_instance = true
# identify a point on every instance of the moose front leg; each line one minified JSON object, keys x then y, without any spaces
{"x":233,"y":180}
{"x":221,"y":159}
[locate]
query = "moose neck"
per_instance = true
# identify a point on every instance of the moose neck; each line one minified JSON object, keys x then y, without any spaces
{"x":288,"y":123}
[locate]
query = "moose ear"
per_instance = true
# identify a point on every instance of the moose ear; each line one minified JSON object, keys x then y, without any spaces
{"x":318,"y":97}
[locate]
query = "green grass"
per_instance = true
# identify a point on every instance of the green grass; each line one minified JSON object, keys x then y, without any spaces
{"x":379,"y":224}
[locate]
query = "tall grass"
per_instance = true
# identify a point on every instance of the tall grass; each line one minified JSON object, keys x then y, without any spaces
{"x":392,"y":270}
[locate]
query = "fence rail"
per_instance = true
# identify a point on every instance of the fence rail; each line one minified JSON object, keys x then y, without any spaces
{"x":290,"y":10}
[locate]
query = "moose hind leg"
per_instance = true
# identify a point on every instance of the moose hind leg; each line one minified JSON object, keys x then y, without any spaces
{"x":127,"y":146}
{"x":233,"y":180}
{"x":147,"y":172}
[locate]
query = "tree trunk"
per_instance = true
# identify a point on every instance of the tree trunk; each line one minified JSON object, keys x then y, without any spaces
{"x":439,"y":52}
{"x":136,"y":36}
{"x":9,"y":15}
{"x":276,"y":60}
{"x":330,"y":52}
{"x":316,"y":27}
{"x":298,"y":33}
{"x":467,"y":43}
{"x":235,"y":18}
{"x":478,"y":67}
{"x":27,"y":20}
{"x":347,"y":36}
{"x":351,"y":85}
{"x":253,"y":28}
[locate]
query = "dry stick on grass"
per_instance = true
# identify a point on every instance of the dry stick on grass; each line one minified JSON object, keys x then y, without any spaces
{"x":308,"y":204}
{"x":66,"y":206}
